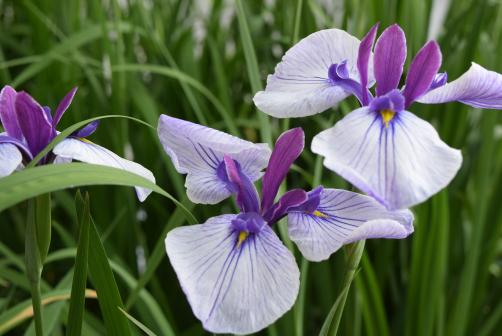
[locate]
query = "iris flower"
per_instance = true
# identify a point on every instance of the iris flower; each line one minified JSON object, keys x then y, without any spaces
{"x":236,"y":273}
{"x":381,"y":148}
{"x":29,"y":128}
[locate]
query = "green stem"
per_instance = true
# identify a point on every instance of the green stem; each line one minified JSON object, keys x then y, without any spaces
{"x":38,"y":235}
{"x":354,"y":252}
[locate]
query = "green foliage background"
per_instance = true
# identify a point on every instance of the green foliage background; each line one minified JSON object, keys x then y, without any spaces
{"x":195,"y":60}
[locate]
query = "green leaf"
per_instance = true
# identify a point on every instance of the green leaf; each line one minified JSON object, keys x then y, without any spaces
{"x":43,"y":224}
{"x":77,"y":300}
{"x":332,"y":322}
{"x":32,"y":182}
{"x":68,"y":131}
{"x":138,"y":323}
{"x":104,"y":282}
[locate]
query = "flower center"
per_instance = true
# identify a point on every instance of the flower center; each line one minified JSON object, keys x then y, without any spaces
{"x":387,"y":116}
{"x":247,"y":224}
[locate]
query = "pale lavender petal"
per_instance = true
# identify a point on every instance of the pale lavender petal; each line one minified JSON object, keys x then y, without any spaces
{"x":10,"y":158}
{"x":342,"y":217}
{"x":363,"y":59}
{"x":198,"y":151}
{"x":63,"y":106}
{"x":287,"y":201}
{"x":287,"y":148}
{"x":400,"y":165}
{"x":300,"y":85}
{"x":86,"y":151}
{"x":247,"y":197}
{"x":422,"y":72}
{"x":4,"y":138}
{"x":232,"y":287}
{"x":478,"y":87}
{"x":8,"y":115}
{"x":389,"y":58}
{"x":37,"y":128}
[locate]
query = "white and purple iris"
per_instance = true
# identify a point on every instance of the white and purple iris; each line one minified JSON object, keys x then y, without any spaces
{"x":29,"y":128}
{"x":381,"y":148}
{"x":236,"y":273}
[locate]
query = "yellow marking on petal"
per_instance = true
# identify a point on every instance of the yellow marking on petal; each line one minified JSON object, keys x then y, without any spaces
{"x":387,"y":116}
{"x":317,"y":213}
{"x":87,"y":141}
{"x":242,"y":237}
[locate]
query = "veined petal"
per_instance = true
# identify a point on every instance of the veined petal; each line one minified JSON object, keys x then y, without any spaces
{"x":10,"y":158}
{"x":8,"y":115}
{"x":390,"y":54}
{"x":286,"y":150}
{"x":478,"y":87}
{"x":86,"y":151}
{"x":300,"y":85}
{"x":63,"y":106}
{"x":400,"y":165}
{"x":33,"y":121}
{"x":342,"y":217}
{"x":233,"y":287}
{"x":198,"y":151}
{"x":422,"y":72}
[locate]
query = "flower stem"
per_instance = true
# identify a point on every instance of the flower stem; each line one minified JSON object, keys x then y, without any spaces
{"x":38,"y":227}
{"x":354,"y":254}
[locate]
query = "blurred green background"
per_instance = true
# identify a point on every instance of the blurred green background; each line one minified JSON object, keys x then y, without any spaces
{"x":194,"y":60}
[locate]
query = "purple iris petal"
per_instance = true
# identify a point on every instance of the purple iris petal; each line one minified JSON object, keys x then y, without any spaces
{"x":47,"y":111}
{"x":312,"y":201}
{"x":247,"y":197}
{"x":63,"y":106}
{"x":390,"y":54}
{"x":291,"y":199}
{"x":338,"y":74}
{"x":423,"y":69}
{"x":87,"y":130}
{"x":393,"y":101}
{"x":36,"y":127}
{"x":439,"y":80}
{"x":250,"y":222}
{"x":287,"y":148}
{"x":363,"y":58}
{"x":8,"y":112}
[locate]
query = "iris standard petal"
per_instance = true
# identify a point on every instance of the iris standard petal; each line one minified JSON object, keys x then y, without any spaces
{"x":423,"y":70}
{"x":86,"y":151}
{"x":389,"y":58}
{"x":63,"y":106}
{"x":8,"y":115}
{"x":343,"y":217}
{"x":400,"y":165}
{"x":33,"y":121}
{"x":300,"y":85}
{"x":198,"y":151}
{"x":286,"y":150}
{"x":363,"y":60}
{"x":478,"y":87}
{"x":233,"y":287}
{"x":10,"y":158}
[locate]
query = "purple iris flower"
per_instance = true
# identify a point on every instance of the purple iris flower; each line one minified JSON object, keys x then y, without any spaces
{"x":236,"y":273}
{"x":381,"y":148}
{"x":29,"y":128}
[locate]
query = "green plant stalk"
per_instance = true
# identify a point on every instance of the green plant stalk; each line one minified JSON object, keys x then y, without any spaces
{"x":354,"y":254}
{"x":38,"y":228}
